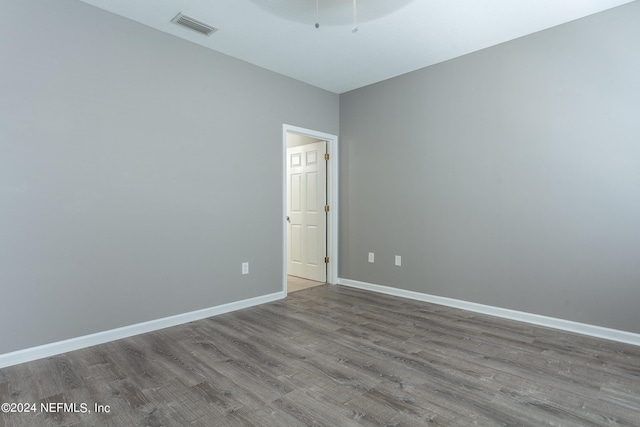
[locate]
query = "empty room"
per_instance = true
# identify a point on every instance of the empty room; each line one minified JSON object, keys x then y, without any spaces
{"x":320,"y":212}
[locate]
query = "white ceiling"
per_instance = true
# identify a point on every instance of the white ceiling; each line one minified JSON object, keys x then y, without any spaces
{"x":280,"y":35}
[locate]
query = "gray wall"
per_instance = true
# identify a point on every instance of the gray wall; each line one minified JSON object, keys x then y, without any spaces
{"x":137,"y":172}
{"x":508,"y":177}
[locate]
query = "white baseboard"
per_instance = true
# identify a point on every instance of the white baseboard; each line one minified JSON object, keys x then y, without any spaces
{"x":536,"y":319}
{"x":55,"y":348}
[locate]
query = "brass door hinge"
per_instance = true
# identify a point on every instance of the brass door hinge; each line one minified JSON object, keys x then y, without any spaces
{"x":326,"y":156}
{"x":326,"y":260}
{"x":326,"y":208}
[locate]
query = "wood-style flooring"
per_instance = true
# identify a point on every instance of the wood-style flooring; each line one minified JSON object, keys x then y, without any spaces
{"x":336,"y":356}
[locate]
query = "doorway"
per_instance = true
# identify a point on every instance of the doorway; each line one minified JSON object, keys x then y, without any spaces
{"x":306,"y":207}
{"x":310,"y":208}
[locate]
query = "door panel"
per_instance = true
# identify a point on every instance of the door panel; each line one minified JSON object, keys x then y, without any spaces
{"x":296,"y":244}
{"x":311,"y":196}
{"x":306,"y":198}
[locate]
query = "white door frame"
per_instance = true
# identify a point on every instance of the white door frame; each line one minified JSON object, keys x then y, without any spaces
{"x":332,"y":200}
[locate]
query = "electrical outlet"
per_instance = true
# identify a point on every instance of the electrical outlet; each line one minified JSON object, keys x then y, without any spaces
{"x":371,"y":256}
{"x":398,"y":260}
{"x":245,"y":268}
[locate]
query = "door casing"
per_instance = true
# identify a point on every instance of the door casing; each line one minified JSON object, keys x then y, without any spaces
{"x":332,"y":198}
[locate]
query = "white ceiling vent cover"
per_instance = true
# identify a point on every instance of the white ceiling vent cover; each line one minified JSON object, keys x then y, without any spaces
{"x":194,"y":24}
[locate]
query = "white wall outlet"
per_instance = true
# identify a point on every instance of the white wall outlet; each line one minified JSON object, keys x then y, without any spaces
{"x":371,"y":256}
{"x":245,"y":268}
{"x":398,"y":260}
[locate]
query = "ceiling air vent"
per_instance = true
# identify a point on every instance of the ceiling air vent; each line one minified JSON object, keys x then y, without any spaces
{"x":193,"y":24}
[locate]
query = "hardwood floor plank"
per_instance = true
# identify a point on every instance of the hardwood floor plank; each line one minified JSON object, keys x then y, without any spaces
{"x":313,"y":410}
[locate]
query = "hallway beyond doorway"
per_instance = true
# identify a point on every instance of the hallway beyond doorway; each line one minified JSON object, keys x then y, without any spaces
{"x":297,"y":283}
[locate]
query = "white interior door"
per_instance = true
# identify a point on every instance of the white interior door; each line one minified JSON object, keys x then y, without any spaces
{"x":306,"y":217}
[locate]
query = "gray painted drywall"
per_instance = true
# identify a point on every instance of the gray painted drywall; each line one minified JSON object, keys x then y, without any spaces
{"x":508,"y":177}
{"x":137,"y":172}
